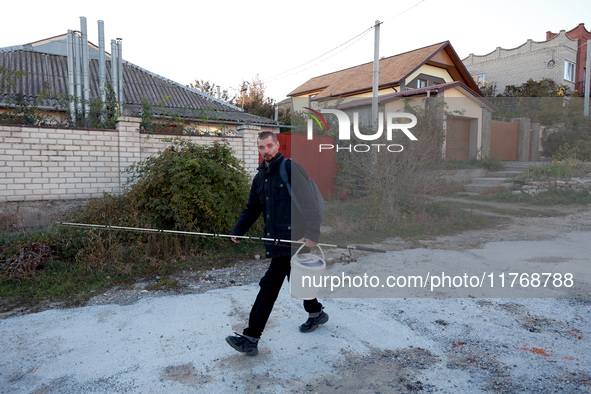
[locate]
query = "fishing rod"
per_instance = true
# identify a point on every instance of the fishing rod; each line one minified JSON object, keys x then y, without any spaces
{"x":158,"y":231}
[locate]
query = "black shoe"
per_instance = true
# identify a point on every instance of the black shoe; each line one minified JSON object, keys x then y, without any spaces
{"x":314,"y":321}
{"x":244,"y":344}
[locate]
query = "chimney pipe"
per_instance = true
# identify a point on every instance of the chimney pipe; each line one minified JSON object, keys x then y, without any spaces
{"x":85,"y":70}
{"x":77,"y":74}
{"x":101,"y":61}
{"x":120,"y":72}
{"x":71,"y":83}
{"x":114,"y":67}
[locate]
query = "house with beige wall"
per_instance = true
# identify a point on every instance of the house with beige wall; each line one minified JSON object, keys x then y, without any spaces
{"x":431,"y":72}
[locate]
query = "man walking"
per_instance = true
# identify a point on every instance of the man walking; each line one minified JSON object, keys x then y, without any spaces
{"x":269,"y":196}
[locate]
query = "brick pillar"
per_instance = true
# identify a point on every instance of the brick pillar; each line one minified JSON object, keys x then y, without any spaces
{"x":523,"y":148}
{"x":535,"y":141}
{"x":486,"y":133}
{"x":250,"y":154}
{"x":128,"y":146}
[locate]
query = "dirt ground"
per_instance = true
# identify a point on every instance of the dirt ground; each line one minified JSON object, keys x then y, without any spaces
{"x":398,"y":370}
{"x":143,"y":341}
{"x":516,"y":222}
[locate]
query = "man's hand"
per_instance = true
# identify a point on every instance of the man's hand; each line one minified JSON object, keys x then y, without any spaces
{"x":309,"y":242}
{"x":235,"y":240}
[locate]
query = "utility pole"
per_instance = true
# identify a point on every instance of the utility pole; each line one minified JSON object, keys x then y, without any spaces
{"x":376,"y":75}
{"x":587,"y":78}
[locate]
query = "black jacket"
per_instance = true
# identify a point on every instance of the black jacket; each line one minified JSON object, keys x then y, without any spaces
{"x":269,"y":196}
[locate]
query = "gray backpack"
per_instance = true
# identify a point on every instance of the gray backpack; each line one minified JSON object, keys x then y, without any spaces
{"x":317,"y":194}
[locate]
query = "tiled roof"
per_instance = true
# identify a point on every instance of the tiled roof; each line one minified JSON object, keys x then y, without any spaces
{"x":51,"y":71}
{"x":358,"y":79}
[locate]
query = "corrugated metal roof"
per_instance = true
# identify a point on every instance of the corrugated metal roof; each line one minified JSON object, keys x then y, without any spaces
{"x":167,"y":98}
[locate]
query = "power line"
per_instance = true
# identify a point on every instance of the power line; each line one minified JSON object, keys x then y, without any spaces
{"x":350,"y":42}
{"x":405,"y":11}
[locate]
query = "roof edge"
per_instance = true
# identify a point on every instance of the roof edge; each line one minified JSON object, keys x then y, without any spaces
{"x":520,"y":46}
{"x":366,"y":101}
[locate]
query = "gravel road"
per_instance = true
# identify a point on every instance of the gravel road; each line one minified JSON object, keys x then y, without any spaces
{"x":156,"y":342}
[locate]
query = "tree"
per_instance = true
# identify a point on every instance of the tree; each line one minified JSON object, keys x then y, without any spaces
{"x":545,"y":87}
{"x":488,"y":89}
{"x":211,"y":89}
{"x":541,"y":100}
{"x":250,"y":97}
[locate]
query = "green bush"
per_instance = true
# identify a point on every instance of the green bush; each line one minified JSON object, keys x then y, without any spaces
{"x":581,"y":150}
{"x":190,"y":187}
{"x":573,"y":128}
{"x":555,"y":170}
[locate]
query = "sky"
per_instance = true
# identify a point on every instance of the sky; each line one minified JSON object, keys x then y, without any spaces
{"x":285,"y":44}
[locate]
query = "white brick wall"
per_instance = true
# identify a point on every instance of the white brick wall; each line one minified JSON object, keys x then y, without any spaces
{"x":530,"y":60}
{"x":38,"y":163}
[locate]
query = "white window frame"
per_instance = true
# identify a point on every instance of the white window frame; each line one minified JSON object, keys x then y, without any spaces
{"x":479,"y":79}
{"x":569,"y":71}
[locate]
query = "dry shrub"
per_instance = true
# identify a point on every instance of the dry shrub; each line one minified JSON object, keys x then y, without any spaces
{"x":390,"y":180}
{"x":27,"y":261}
{"x":101,"y":251}
{"x":441,"y":186}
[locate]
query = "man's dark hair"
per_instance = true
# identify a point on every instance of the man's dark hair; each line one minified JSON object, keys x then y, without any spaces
{"x":267,"y":134}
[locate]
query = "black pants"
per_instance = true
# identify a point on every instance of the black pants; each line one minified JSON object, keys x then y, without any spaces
{"x":270,"y":285}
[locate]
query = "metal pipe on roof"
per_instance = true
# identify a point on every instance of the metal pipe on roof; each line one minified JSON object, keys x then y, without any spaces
{"x":114,"y":67}
{"x":85,"y":70}
{"x":101,"y":62}
{"x":71,"y":83}
{"x":120,"y":72}
{"x":77,"y":75}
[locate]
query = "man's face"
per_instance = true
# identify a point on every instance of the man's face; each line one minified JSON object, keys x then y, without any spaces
{"x":268,"y":148}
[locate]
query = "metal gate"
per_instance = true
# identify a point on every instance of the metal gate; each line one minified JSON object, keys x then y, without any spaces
{"x":457,"y":139}
{"x":320,"y":166}
{"x":504,"y":140}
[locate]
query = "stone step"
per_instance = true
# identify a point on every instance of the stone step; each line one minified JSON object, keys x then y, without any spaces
{"x":479,"y":185}
{"x":490,"y":181}
{"x":504,"y":174}
{"x":477,"y":189}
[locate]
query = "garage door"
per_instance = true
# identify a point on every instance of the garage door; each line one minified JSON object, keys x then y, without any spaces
{"x":457,"y":141}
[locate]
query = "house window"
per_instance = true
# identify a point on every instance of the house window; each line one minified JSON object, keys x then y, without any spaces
{"x":569,"y":71}
{"x":479,"y":79}
{"x":313,"y":104}
{"x":421,"y":83}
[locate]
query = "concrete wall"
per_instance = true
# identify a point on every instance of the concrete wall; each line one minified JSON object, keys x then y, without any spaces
{"x":43,"y":163}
